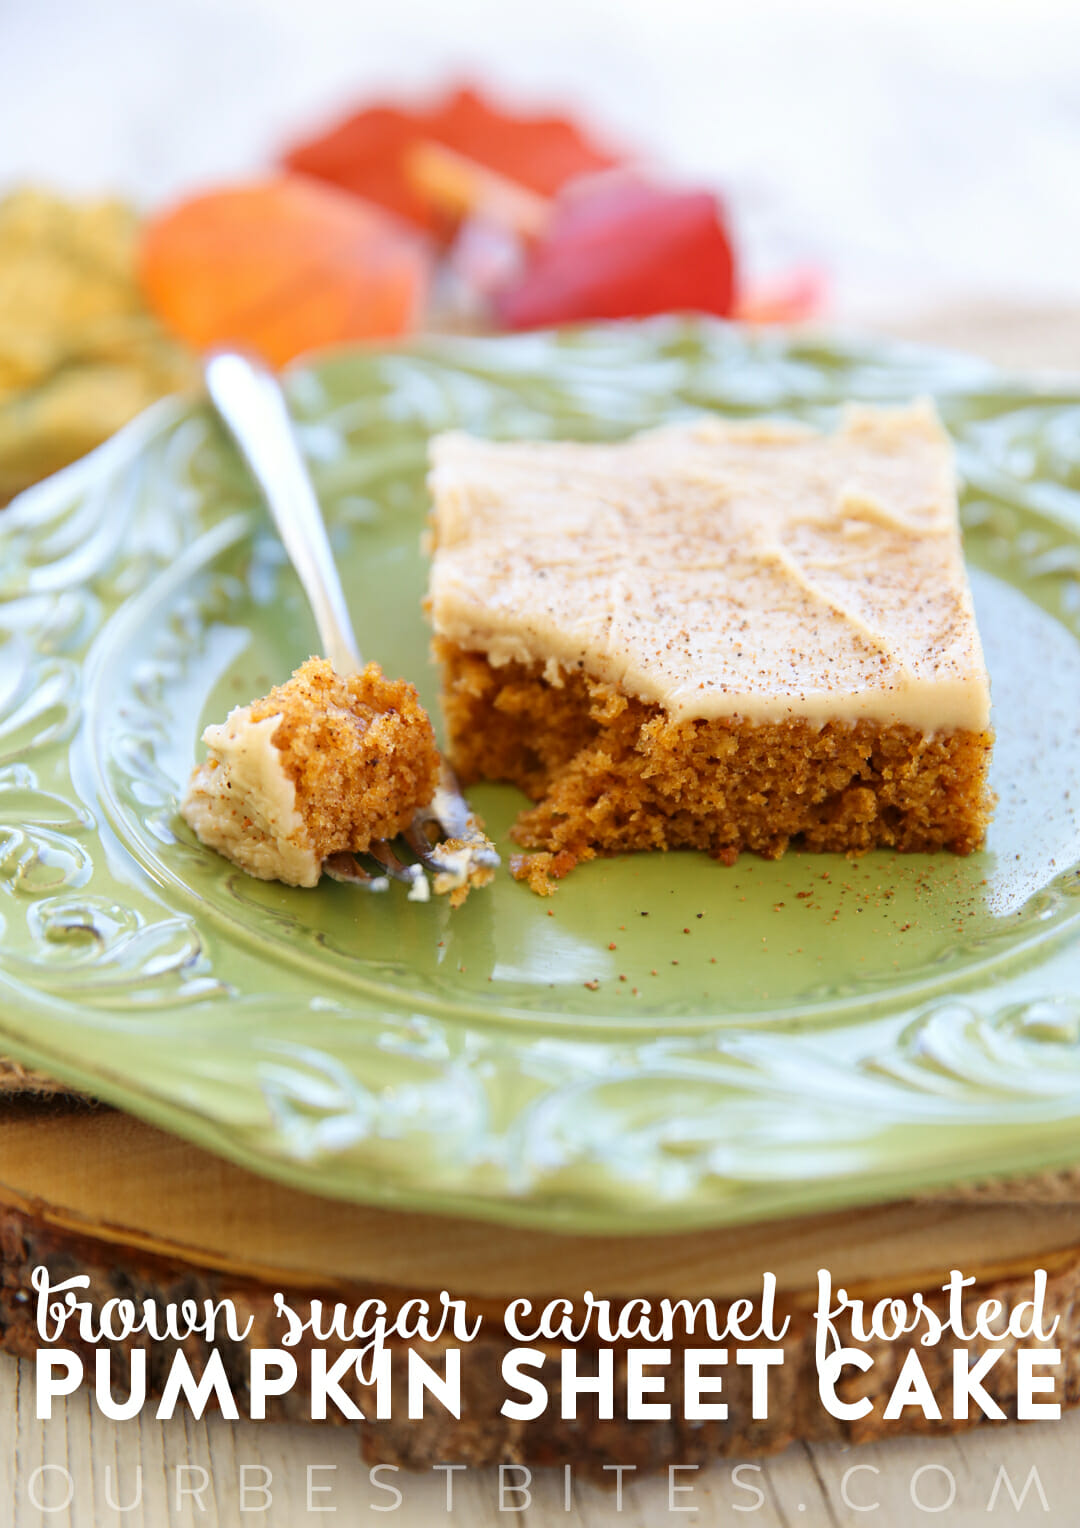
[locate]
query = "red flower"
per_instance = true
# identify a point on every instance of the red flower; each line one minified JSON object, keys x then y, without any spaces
{"x":621,"y":248}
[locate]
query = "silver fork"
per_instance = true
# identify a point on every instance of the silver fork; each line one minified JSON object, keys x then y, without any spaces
{"x":445,"y":836}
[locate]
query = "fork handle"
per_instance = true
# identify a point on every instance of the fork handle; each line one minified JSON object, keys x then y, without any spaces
{"x":251,"y":404}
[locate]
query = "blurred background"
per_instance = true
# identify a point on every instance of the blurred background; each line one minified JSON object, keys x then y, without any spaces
{"x":924,"y":152}
{"x":906,"y":166}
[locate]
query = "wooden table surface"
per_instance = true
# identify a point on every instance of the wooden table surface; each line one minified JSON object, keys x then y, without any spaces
{"x":908,"y":1479}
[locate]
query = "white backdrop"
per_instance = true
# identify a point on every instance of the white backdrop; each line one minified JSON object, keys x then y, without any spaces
{"x":923,"y":148}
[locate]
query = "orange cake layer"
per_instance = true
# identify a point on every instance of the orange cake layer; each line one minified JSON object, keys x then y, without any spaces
{"x":611,"y":772}
{"x":320,"y":765}
{"x":719,"y":634}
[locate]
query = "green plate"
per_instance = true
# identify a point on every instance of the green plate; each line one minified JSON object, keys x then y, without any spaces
{"x":667,"y":1042}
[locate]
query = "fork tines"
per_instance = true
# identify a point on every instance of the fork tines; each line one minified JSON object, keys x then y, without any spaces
{"x":447,"y":841}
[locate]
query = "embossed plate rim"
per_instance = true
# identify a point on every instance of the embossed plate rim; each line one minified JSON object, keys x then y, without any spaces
{"x":596,"y":1168}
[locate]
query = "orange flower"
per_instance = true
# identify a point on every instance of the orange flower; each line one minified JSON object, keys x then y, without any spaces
{"x":281,"y":266}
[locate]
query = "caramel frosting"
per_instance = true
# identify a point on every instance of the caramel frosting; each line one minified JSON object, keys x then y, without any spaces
{"x":242,"y":802}
{"x":756,"y":569}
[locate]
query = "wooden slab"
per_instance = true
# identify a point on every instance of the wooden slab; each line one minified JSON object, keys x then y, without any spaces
{"x":97,"y":1173}
{"x":84,"y":1189}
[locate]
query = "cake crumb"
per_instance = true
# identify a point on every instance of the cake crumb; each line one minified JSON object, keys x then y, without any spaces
{"x":540,"y":871}
{"x":320,"y":765}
